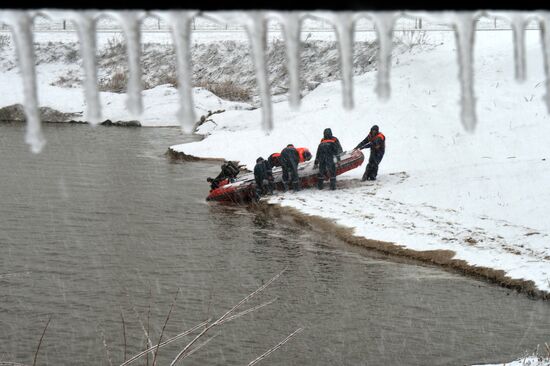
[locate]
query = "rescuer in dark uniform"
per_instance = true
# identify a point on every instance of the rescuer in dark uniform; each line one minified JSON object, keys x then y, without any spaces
{"x":376,"y":141}
{"x":229,"y":171}
{"x":289,"y":162}
{"x":262,"y":173}
{"x":328,"y":149}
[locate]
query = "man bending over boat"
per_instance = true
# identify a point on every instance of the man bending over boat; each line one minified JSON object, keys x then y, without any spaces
{"x":229,"y":173}
{"x":289,"y":163}
{"x":263,"y":177}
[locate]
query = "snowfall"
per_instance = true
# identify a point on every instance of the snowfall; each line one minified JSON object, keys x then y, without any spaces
{"x":484,"y":195}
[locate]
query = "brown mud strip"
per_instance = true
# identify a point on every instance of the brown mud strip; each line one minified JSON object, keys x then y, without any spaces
{"x":180,"y":155}
{"x":441,"y":258}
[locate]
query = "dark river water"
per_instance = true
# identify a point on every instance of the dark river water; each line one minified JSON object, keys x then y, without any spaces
{"x":101,"y":230}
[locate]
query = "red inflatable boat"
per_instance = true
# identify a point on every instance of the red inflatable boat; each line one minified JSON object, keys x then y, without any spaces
{"x":244,"y":188}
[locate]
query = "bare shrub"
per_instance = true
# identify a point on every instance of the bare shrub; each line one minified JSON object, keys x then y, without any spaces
{"x":115,"y":46}
{"x":72,"y":56}
{"x":4,"y":41}
{"x":116,"y":83}
{"x":412,"y":38}
{"x":67,"y":81}
{"x":227,"y":90}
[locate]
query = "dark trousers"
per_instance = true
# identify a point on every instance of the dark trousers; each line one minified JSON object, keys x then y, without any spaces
{"x":292,"y":170}
{"x":264,"y":185}
{"x":326,"y":166}
{"x":372,"y":167}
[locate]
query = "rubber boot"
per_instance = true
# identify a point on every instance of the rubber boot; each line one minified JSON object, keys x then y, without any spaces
{"x":333,"y":183}
{"x":285,"y":186}
{"x":296,"y":186}
{"x":320,"y":183}
{"x":365,"y":176}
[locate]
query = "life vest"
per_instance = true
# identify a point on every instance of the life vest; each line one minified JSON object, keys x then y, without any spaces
{"x":303,"y":153}
{"x":381,"y":135}
{"x":274,"y":159}
{"x":328,"y":140}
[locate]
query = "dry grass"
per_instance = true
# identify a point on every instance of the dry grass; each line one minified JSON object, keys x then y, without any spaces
{"x":116,"y":83}
{"x":167,"y":78}
{"x":227,"y":90}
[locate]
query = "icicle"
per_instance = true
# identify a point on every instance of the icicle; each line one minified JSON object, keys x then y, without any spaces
{"x":180,"y":24}
{"x":384,"y":22}
{"x":545,"y":38}
{"x":21,"y":25}
{"x":256,"y":28}
{"x":517,"y":21}
{"x":85,"y":24}
{"x":291,"y":26}
{"x":130,"y":22}
{"x":518,"y":25}
{"x":343,"y":23}
{"x":464,"y":34}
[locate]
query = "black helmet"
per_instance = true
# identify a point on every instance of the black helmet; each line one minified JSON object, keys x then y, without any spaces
{"x":375,"y":128}
{"x":260,"y":159}
{"x":327,"y":133}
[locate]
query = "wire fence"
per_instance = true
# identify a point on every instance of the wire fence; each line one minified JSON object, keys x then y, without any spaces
{"x":154,"y":24}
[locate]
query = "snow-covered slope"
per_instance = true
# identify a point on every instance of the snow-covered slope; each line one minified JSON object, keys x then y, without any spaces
{"x":484,"y":196}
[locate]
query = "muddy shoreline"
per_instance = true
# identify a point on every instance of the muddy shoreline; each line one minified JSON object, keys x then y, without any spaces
{"x":440,"y":258}
{"x":181,"y":156}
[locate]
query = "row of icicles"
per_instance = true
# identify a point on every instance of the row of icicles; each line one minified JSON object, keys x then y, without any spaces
{"x":255,"y":24}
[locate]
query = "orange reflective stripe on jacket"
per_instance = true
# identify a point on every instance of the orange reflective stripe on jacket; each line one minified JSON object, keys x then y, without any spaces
{"x":301,"y":153}
{"x":328,"y":140}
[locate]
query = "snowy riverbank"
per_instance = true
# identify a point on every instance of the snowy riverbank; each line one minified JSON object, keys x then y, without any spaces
{"x":482,"y":196}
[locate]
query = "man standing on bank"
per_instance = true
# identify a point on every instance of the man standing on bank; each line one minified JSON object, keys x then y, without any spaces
{"x":376,"y":141}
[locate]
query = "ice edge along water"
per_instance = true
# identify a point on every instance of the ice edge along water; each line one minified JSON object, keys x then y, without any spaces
{"x":254,"y":23}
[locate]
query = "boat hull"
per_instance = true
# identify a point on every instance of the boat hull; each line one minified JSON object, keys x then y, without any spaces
{"x":244,"y":188}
